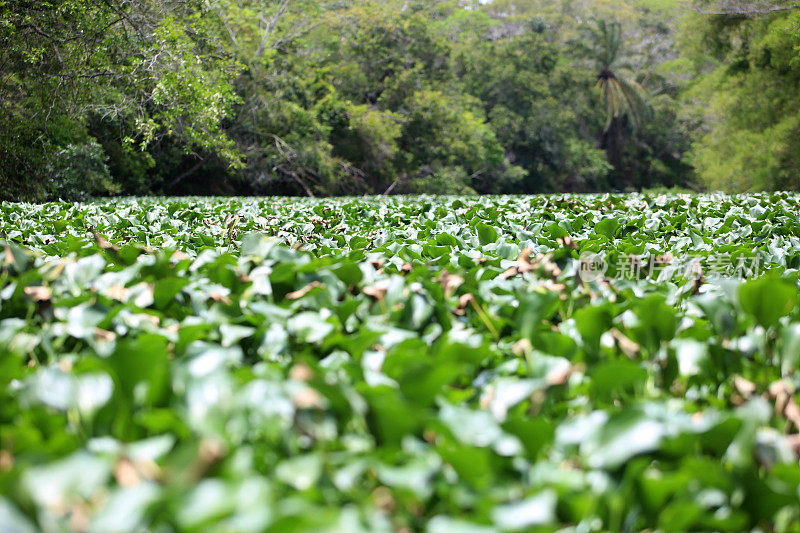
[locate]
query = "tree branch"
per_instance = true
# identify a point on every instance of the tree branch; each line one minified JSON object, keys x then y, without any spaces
{"x":186,"y":174}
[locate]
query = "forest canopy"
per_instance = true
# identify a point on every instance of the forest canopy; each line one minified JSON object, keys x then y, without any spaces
{"x":301,"y":97}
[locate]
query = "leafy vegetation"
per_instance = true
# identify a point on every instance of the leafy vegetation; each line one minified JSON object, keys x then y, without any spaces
{"x":432,"y":364}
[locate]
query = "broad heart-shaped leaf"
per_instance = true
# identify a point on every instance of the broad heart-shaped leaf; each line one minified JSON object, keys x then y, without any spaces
{"x":309,"y":327}
{"x":657,"y":323}
{"x":486,"y":234}
{"x":592,"y":322}
{"x":533,"y":308}
{"x":15,"y":255}
{"x":141,"y":361}
{"x":208,"y":500}
{"x":691,"y":355}
{"x":534,"y":433}
{"x":256,"y":244}
{"x":607,"y":227}
{"x":473,"y":465}
{"x":126,"y":508}
{"x":612,"y":377}
{"x":64,"y":391}
{"x":627,"y":434}
{"x":420,"y":378}
{"x":166,"y":289}
{"x":232,"y":334}
{"x":719,"y":312}
{"x":390,"y":417}
{"x":767,"y":299}
{"x":348,"y":273}
{"x":414,"y":476}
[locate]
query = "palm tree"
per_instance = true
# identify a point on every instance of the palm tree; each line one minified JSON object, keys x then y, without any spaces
{"x":626,"y":106}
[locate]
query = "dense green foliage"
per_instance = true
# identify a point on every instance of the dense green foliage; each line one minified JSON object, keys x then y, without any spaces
{"x":122,"y":74}
{"x":312,"y":98}
{"x":426,"y":364}
{"x":361,"y":96}
{"x":747,"y":102}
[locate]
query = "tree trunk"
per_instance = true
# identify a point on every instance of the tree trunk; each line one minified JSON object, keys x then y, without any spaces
{"x":613,"y":142}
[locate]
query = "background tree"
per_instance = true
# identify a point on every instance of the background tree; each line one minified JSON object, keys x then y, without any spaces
{"x":540,"y":106}
{"x":365,"y":96}
{"x":150,"y":67}
{"x":746,"y":66}
{"x":624,"y":99}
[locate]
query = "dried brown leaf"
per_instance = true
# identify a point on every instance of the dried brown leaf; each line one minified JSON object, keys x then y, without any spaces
{"x":39,"y":293}
{"x":522,"y":348}
{"x":6,"y":461}
{"x":628,"y":347}
{"x":125,"y":473}
{"x":463,"y":302}
{"x":103,"y":243}
{"x":307,"y":398}
{"x":375,"y":292}
{"x":557,"y":377}
{"x":301,"y":372}
{"x":102,"y":335}
{"x":745,"y":387}
{"x":220,"y":298}
{"x":296,"y":295}
{"x":449,"y":282}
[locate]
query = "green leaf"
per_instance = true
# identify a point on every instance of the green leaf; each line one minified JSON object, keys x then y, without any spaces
{"x":309,"y":327}
{"x":535,"y":510}
{"x":486,"y":234}
{"x":348,"y":273}
{"x":614,"y":377}
{"x":768,"y":299}
{"x":301,"y":472}
{"x":165,"y":291}
{"x":141,"y":361}
{"x":591,"y":323}
{"x":607,"y":227}
{"x":256,"y":245}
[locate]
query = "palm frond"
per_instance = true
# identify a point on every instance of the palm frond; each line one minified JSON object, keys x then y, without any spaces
{"x":605,"y":40}
{"x":623,"y":98}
